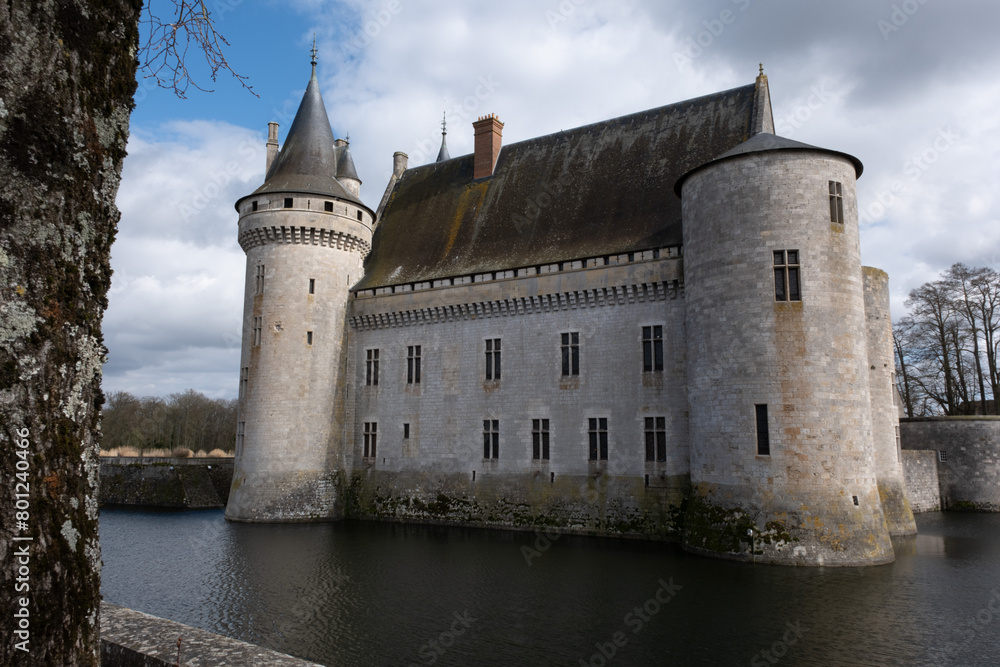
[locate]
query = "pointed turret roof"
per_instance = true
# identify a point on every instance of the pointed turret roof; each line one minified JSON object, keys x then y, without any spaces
{"x":443,"y":153}
{"x":345,"y":164}
{"x":307,"y":162}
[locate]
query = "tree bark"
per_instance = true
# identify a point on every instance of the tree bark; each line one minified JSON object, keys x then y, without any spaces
{"x":67,"y":75}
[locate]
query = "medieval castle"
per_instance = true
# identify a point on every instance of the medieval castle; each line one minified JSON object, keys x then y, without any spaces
{"x":655,"y":326}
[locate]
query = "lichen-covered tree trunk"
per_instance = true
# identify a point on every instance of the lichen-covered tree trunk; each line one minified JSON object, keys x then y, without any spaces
{"x":67,"y":75}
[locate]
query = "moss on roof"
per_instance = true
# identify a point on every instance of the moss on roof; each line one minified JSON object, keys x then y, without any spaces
{"x":606,"y":188}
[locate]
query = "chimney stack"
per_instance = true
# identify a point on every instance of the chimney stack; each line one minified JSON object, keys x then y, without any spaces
{"x":488,"y":130}
{"x":272,"y":145}
{"x":399,"y":163}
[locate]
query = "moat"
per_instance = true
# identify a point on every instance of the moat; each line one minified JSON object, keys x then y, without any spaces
{"x":359,"y":593}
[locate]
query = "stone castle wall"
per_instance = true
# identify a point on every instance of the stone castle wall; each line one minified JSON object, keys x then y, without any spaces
{"x":921,"y":474}
{"x":439,"y":472}
{"x":969,"y":473}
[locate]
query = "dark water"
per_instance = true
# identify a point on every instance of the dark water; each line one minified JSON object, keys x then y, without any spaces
{"x":380,"y":594}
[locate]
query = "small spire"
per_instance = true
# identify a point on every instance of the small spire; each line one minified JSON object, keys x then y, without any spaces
{"x":313,"y":59}
{"x":443,"y":153}
{"x":348,"y":138}
{"x":444,"y":123}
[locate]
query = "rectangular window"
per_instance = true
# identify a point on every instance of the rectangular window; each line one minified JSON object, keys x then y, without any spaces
{"x":288,"y":202}
{"x":942,"y":456}
{"x":492,"y":358}
{"x":598,"y":432}
{"x":786,"y":275}
{"x":371,"y":439}
{"x":406,"y":431}
{"x":371,"y":368}
{"x":309,"y":338}
{"x":652,"y":349}
{"x":899,"y":449}
{"x":258,"y":326}
{"x":540,"y":439}
{"x":836,"y":202}
{"x":260,"y":279}
{"x":244,"y":381}
{"x":312,"y":285}
{"x":360,"y":215}
{"x":491,"y":439}
{"x":253,"y":205}
{"x":570,"y":354}
{"x":328,"y":206}
{"x":656,"y":438}
{"x":413,"y":364}
{"x":240,"y":426}
{"x":763,"y":439}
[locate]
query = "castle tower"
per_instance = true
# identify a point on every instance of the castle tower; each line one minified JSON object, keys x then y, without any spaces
{"x":782,"y":454}
{"x":885,"y":421}
{"x":305,"y":235}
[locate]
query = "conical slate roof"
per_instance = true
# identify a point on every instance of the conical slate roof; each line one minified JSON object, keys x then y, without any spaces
{"x":307,"y":162}
{"x":345,"y":165}
{"x":443,"y":153}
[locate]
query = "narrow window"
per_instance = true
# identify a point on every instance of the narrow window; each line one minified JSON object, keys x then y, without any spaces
{"x":942,"y":456}
{"x":239,"y":438}
{"x":260,"y":279}
{"x":413,"y":364}
{"x":371,"y":438}
{"x":312,"y":285}
{"x":786,"y":275}
{"x":899,"y":448}
{"x":598,"y":432}
{"x":253,"y":205}
{"x":763,"y":439}
{"x":652,"y":349}
{"x":656,"y":439}
{"x":371,"y":368}
{"x":360,"y":217}
{"x":288,"y":202}
{"x":328,"y":206}
{"x":406,"y":431}
{"x":493,"y":359}
{"x":309,"y":338}
{"x":244,"y":381}
{"x":540,"y":439}
{"x":571,"y":354}
{"x":491,"y":439}
{"x":258,"y":325}
{"x":836,"y":202}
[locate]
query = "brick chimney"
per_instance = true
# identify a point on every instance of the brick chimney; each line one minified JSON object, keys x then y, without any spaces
{"x":488,"y":131}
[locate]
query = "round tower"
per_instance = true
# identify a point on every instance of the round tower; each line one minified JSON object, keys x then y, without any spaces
{"x":782,"y":455}
{"x":885,"y":417}
{"x":305,"y":236}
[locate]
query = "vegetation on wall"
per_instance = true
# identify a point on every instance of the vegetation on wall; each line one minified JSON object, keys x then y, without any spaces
{"x":946,"y":348}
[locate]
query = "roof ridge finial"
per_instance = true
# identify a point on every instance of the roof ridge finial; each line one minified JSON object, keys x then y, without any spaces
{"x":761,"y":69}
{"x":444,"y":123}
{"x":313,"y":54}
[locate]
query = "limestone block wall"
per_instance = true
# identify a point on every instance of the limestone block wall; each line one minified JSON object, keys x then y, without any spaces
{"x":430,"y":462}
{"x":921,"y":474}
{"x":968,"y":452}
{"x":814,"y":499}
{"x":301,"y":260}
{"x":885,"y":419}
{"x":194,"y":483}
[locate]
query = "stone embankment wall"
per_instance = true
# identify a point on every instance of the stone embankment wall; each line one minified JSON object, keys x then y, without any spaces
{"x":166,"y":482}
{"x":921,"y":475}
{"x":969,"y":473}
{"x":132,"y":639}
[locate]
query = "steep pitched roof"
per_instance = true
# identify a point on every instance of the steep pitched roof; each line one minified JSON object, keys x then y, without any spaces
{"x":600,"y":189}
{"x":307,"y":162}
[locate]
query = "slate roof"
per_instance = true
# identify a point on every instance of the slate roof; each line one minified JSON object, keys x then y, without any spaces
{"x":760,"y":143}
{"x":307,"y":161}
{"x":606,"y":188}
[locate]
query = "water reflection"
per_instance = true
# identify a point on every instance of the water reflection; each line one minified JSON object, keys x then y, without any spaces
{"x":363,"y":593}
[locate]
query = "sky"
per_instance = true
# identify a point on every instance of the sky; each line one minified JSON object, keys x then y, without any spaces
{"x":910,"y":87}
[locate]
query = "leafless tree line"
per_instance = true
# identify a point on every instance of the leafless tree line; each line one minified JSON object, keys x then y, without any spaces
{"x":946,"y":348}
{"x":187,"y":420}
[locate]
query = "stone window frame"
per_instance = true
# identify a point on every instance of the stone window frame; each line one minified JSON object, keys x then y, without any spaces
{"x":240,"y":436}
{"x":244,"y":381}
{"x":836,"y":202}
{"x":570,"y":353}
{"x":259,"y":288}
{"x":413,"y":363}
{"x":541,"y":438}
{"x":258,"y":328}
{"x":787,"y":266}
{"x":652,"y":348}
{"x":655,"y":437}
{"x":597,"y":439}
{"x":371,"y":366}
{"x":762,"y":429}
{"x":370,"y":440}
{"x":491,"y":439}
{"x":493,"y":366}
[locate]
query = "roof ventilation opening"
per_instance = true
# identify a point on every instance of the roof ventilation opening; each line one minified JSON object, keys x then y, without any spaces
{"x":488,"y":134}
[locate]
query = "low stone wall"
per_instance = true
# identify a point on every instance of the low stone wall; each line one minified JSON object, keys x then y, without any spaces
{"x":193,"y":483}
{"x":130,"y":638}
{"x":921,"y":477}
{"x":969,"y":474}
